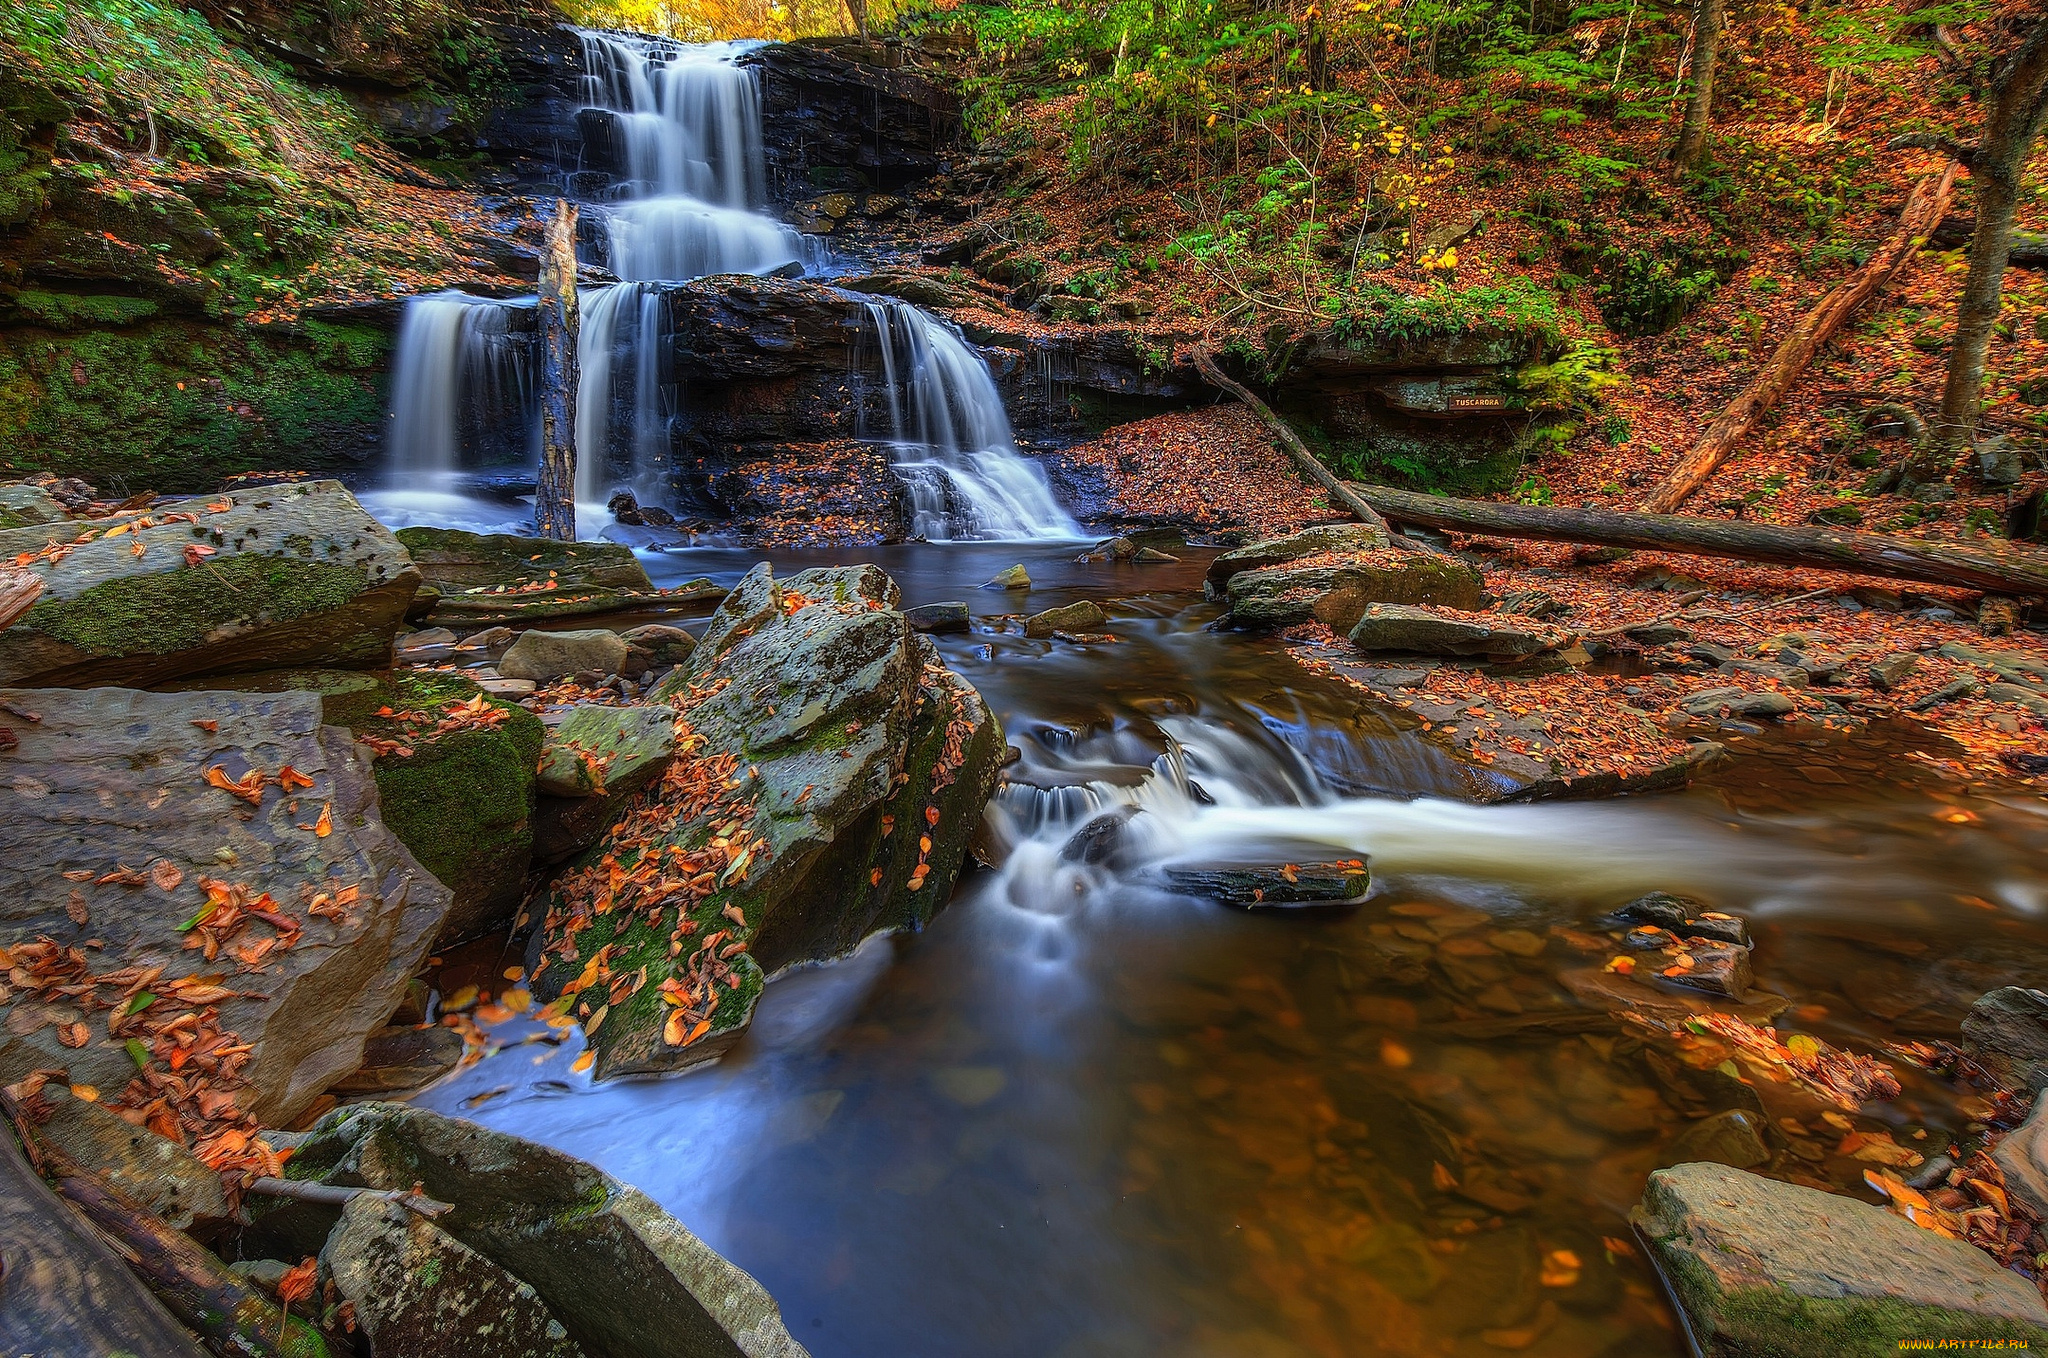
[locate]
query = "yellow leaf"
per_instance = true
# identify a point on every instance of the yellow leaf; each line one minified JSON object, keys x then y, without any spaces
{"x":583,"y":1062}
{"x":86,"y":1093}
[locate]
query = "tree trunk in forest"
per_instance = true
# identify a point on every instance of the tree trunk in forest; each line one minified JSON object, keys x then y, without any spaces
{"x":1708,"y":18}
{"x":2004,"y":569}
{"x":1924,"y":208}
{"x":2018,"y":99}
{"x":1310,"y":465}
{"x":555,"y":504}
{"x":858,"y":9}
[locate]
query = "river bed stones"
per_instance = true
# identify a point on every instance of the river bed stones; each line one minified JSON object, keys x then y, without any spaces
{"x":1341,"y":539}
{"x":623,"y":1278}
{"x":1265,"y":886}
{"x":1085,"y":616}
{"x":255,"y":579}
{"x":830,"y":773}
{"x":136,"y":818}
{"x":1411,"y":630}
{"x":1769,"y":1268}
{"x":2006,"y":1032}
{"x":1337,"y":590}
{"x":544,"y":656}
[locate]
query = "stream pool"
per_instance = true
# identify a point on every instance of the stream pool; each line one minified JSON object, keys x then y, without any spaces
{"x":1080,"y":1116}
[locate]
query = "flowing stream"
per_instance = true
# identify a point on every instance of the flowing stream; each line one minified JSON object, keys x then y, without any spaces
{"x":1083,"y":1116}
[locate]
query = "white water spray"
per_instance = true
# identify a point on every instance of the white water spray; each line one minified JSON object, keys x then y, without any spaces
{"x":452,"y":348}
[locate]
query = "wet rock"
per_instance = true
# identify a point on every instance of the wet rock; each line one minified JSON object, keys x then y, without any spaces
{"x":916,"y":288}
{"x":1013,"y":577}
{"x":1338,"y":594}
{"x":399,"y":1059}
{"x":542,"y":656}
{"x":461,"y":799}
{"x":1083,"y":616}
{"x":1533,"y":603}
{"x":862,"y":766}
{"x":1710,"y":652}
{"x":110,"y":777}
{"x":937,"y":618}
{"x":285,"y":575}
{"x":1717,"y":968}
{"x":625,"y":1279}
{"x":454,"y":561}
{"x":1732,"y":1137}
{"x":1764,"y":1268}
{"x":1684,"y":917}
{"x":1641,"y":992}
{"x":1111,"y":549}
{"x":2007,"y":1033}
{"x":426,"y":646}
{"x":607,"y":751}
{"x":23,"y":506}
{"x":1953,"y":691}
{"x":664,"y":645}
{"x":1306,"y":884}
{"x":153,"y":1171}
{"x":1342,"y":538}
{"x":1422,"y":631}
{"x":1737,"y":702}
{"x":421,"y":1293}
{"x":1657,"y":634}
{"x":1103,"y":841}
{"x":67,"y":1292}
{"x":2022,"y":1158}
{"x":1789,"y":676}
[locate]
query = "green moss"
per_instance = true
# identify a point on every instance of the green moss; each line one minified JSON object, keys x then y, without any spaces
{"x":172,"y":611}
{"x":1763,"y":1322}
{"x":174,"y":406}
{"x":72,"y":311}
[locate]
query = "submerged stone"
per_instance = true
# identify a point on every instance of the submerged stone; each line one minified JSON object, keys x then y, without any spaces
{"x":1764,"y":1268}
{"x":2007,"y":1033}
{"x":1732,"y":1137}
{"x":941,"y":617}
{"x":1280,"y":884}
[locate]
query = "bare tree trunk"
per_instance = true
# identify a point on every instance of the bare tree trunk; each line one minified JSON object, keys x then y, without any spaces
{"x":2019,"y":103}
{"x":859,"y":10}
{"x":1283,"y":433}
{"x":1708,"y":18}
{"x":2003,"y":569}
{"x":555,"y":504}
{"x":1924,"y":208}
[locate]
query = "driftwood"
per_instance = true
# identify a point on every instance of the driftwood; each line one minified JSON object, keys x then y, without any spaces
{"x":2003,"y":570}
{"x":231,"y":1318}
{"x":1923,"y":210}
{"x":19,"y":590}
{"x":1311,"y":466}
{"x":555,"y":503}
{"x":305,"y":1190}
{"x":65,"y":1291}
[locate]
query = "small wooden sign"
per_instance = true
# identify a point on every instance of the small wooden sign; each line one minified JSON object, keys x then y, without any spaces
{"x":1475,"y":403}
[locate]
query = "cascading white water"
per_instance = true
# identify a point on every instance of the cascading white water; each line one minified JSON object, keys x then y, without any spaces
{"x":951,"y":439}
{"x":452,"y":348}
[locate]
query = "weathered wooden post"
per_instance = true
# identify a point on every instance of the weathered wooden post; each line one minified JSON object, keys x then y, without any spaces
{"x":555,"y":505}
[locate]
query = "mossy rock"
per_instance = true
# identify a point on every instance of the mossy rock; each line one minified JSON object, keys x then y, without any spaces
{"x":863,"y":768}
{"x":1338,"y":594}
{"x":462,"y":802}
{"x":453,"y":561}
{"x":1774,"y":1270}
{"x":258,"y":579}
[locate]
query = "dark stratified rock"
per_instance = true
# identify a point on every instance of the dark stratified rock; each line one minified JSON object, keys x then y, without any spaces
{"x":1764,"y":1269}
{"x":111,"y":781}
{"x":936,"y":618}
{"x":623,"y":1278}
{"x":1443,"y":631}
{"x":859,"y":766}
{"x":2007,"y":1032}
{"x":256,"y":579}
{"x":421,"y":1293}
{"x":1685,"y":917}
{"x":1262,"y":885}
{"x":842,"y":113}
{"x":1085,"y":616}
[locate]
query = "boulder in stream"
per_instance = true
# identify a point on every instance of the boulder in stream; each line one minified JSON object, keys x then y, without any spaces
{"x":1085,"y":616}
{"x":238,"y":821}
{"x":1764,"y":1268}
{"x":1337,"y":583}
{"x":623,"y":1278}
{"x":544,"y":656}
{"x":830,"y":772}
{"x":255,"y":579}
{"x":2007,"y":1034}
{"x":593,"y":763}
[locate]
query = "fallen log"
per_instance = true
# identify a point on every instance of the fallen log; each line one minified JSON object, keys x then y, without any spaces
{"x":1283,"y":433}
{"x":19,"y":590}
{"x":2029,"y":248}
{"x":2003,"y":569}
{"x":1923,"y":211}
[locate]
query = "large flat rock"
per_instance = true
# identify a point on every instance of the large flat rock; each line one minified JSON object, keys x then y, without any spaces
{"x":1770,"y":1268}
{"x":109,"y":828}
{"x":256,"y":579}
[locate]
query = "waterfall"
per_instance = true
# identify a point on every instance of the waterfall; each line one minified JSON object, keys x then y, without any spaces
{"x":620,"y":319}
{"x":951,"y":440}
{"x":453,"y":349}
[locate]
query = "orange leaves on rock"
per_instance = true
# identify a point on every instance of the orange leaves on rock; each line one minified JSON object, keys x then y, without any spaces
{"x":74,"y":1034}
{"x":75,"y":911}
{"x":249,"y":787}
{"x":1842,"y":1078}
{"x":298,"y":1281}
{"x":291,"y":780}
{"x":195,"y":552}
{"x":165,"y":875}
